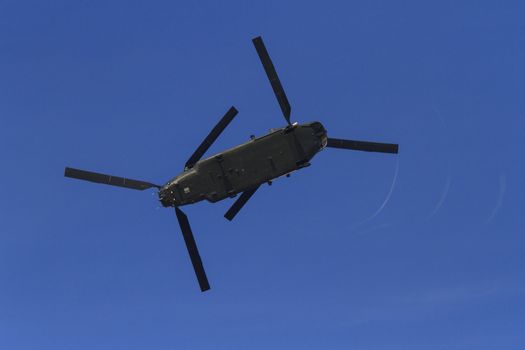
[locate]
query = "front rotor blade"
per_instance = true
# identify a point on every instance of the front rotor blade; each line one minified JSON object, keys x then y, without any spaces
{"x":363,"y":145}
{"x":239,"y":203}
{"x":272,"y":76}
{"x":212,"y":136}
{"x":192,"y":250}
{"x":107,"y":179}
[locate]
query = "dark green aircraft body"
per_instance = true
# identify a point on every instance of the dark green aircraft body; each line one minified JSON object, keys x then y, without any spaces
{"x":246,"y":166}
{"x":241,"y":169}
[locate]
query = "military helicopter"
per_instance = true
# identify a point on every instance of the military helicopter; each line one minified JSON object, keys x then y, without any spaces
{"x":241,"y":169}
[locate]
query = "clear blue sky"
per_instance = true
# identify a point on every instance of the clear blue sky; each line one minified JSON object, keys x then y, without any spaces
{"x":359,"y":251}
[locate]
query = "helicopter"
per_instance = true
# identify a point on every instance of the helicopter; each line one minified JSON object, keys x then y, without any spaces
{"x":241,"y":169}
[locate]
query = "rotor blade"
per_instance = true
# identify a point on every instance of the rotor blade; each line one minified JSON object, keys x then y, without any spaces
{"x":363,"y":145}
{"x":272,"y":76}
{"x":239,"y":203}
{"x":192,"y":250}
{"x":212,"y":136}
{"x":107,"y":179}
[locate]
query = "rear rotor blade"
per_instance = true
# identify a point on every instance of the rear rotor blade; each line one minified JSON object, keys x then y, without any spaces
{"x":363,"y":145}
{"x":212,"y":136}
{"x":192,"y":250}
{"x":239,"y":203}
{"x":107,"y":179}
{"x":272,"y":76}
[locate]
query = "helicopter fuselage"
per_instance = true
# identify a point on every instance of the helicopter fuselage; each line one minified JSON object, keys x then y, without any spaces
{"x":241,"y":169}
{"x":246,"y":166}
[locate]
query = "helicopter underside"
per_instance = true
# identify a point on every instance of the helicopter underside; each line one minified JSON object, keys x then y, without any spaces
{"x":246,"y":166}
{"x":240,"y":169}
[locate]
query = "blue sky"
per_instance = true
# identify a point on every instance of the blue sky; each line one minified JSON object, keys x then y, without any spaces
{"x":358,"y":251}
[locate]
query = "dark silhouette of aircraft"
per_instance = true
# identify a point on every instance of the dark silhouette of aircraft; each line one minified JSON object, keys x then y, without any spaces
{"x":241,"y":169}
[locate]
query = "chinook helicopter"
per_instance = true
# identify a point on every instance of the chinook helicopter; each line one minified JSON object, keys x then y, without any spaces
{"x":241,"y":169}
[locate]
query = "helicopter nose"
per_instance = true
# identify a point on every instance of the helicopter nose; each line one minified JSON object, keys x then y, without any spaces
{"x":320,"y":132}
{"x":324,"y":140}
{"x":318,"y":128}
